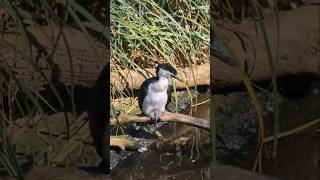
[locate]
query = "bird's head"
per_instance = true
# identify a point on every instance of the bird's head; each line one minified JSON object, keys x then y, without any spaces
{"x":167,"y":71}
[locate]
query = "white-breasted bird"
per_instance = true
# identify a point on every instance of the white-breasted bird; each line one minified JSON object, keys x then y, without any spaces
{"x":154,"y":93}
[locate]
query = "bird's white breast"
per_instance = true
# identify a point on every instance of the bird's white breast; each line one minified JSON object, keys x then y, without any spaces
{"x":157,"y":97}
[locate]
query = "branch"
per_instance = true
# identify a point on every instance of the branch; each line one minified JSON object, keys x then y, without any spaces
{"x":166,"y":117}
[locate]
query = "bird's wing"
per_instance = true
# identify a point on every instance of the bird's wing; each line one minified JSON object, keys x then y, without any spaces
{"x":144,"y":90}
{"x":169,"y":95}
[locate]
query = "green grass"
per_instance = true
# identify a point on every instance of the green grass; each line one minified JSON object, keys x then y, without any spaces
{"x":145,"y":33}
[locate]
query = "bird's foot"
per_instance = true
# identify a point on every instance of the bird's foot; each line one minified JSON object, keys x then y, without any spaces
{"x":158,"y":123}
{"x":156,"y":118}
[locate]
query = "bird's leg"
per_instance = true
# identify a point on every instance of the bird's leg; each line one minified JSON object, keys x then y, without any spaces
{"x":153,"y":117}
{"x":158,"y":120}
{"x":157,"y":123}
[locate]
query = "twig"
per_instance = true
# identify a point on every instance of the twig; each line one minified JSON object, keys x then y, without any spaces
{"x":166,"y":117}
{"x":203,"y":102}
{"x":293,"y":131}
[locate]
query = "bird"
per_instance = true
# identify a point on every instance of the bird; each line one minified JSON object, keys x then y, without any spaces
{"x":154,"y":93}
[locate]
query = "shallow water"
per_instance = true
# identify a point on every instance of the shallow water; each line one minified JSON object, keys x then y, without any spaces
{"x":298,"y":154}
{"x":171,"y":157}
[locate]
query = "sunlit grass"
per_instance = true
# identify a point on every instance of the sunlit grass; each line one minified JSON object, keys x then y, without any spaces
{"x":145,"y":33}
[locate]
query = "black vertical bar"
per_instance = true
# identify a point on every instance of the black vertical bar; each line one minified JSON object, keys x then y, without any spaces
{"x":213,"y":124}
{"x":107,"y":90}
{"x":99,"y":109}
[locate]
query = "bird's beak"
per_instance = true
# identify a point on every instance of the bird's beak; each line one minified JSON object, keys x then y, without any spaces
{"x":177,"y":77}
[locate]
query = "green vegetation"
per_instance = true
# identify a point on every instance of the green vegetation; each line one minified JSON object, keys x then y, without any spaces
{"x":148,"y":32}
{"x":19,"y":98}
{"x":235,"y":12}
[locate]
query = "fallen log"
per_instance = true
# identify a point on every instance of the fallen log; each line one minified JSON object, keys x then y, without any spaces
{"x":87,"y":61}
{"x":86,"y":66}
{"x":166,"y":117}
{"x":194,"y":76}
{"x":299,"y":48}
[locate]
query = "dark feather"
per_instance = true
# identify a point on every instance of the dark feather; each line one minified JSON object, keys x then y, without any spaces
{"x":169,"y":95}
{"x":166,"y":67}
{"x":144,"y":90}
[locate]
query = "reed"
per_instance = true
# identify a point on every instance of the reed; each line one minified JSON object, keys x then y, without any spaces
{"x":145,"y":33}
{"x":20,"y":14}
{"x":234,"y":12}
